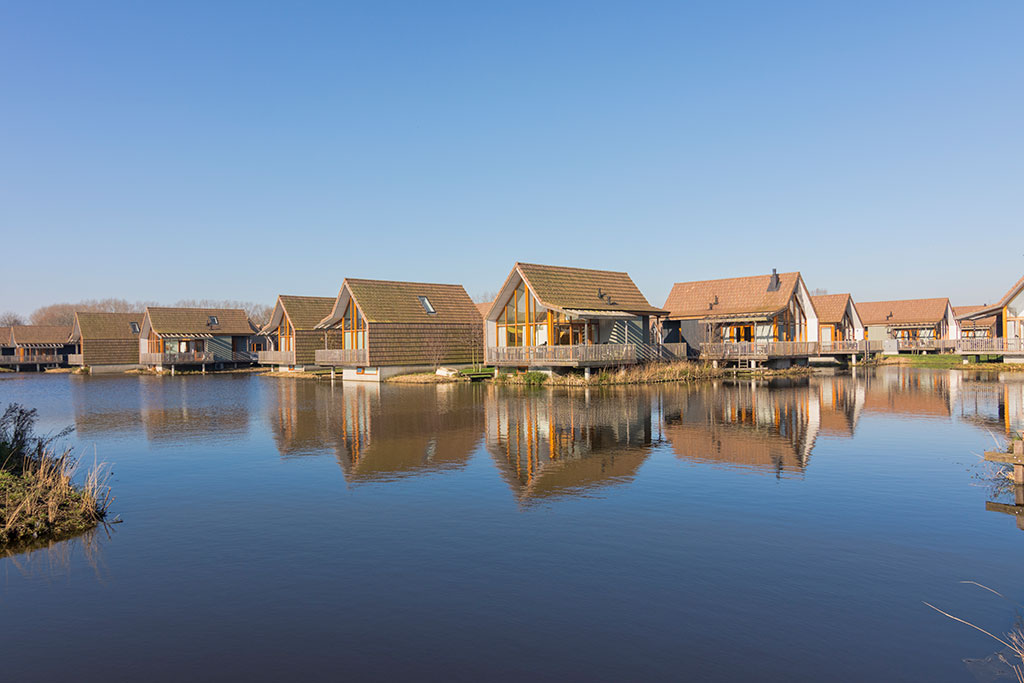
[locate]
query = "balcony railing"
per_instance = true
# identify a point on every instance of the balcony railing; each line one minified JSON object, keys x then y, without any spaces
{"x":766,"y":350}
{"x":926,"y":344}
{"x":339,"y":357}
{"x":277,"y":358}
{"x":34,"y":359}
{"x":579,"y":354}
{"x":181,"y":358}
{"x":75,"y":359}
{"x":997,"y":346}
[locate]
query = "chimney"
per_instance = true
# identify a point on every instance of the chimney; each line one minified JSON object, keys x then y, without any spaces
{"x":774,"y":283}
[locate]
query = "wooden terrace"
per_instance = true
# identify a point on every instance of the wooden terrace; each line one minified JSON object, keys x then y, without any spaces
{"x":997,"y":346}
{"x":583,"y":355}
{"x":34,"y":359}
{"x":276,"y":358}
{"x":770,"y":350}
{"x":342,"y":357}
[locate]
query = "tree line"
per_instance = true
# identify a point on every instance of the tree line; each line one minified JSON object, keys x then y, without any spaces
{"x":64,"y":313}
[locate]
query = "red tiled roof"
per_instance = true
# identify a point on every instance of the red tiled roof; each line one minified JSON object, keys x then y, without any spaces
{"x":830,"y":307}
{"x":730,"y":296}
{"x":902,"y":312}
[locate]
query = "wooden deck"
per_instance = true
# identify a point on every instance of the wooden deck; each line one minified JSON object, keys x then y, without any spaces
{"x":998,"y":346}
{"x":770,"y":350}
{"x":189,"y":358}
{"x":583,"y":355}
{"x":342,"y":357}
{"x":276,"y":358}
{"x":34,"y":359}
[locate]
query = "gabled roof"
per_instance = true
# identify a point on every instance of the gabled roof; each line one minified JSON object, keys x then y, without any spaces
{"x":484,"y":307}
{"x":5,"y":336}
{"x":173,"y":321}
{"x":304,"y":312}
{"x":1002,"y":303}
{"x":388,"y":301}
{"x":49,"y":335}
{"x":903,"y":311}
{"x":583,"y":290}
{"x":731,"y":296}
{"x":100,"y":325}
{"x":974,"y":322}
{"x":830,"y":307}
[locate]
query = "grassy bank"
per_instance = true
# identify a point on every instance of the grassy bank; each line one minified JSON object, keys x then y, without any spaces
{"x":652,"y":373}
{"x":39,"y":499}
{"x":946,"y":361}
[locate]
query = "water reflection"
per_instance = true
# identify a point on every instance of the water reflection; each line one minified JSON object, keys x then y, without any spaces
{"x":567,"y":443}
{"x":303,"y":416}
{"x":767,"y":427}
{"x":995,"y":406}
{"x":385,"y":433}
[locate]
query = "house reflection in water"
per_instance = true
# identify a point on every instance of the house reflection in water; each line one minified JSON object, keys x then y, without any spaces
{"x":304,"y":416}
{"x":104,"y":406}
{"x":760,"y":426}
{"x":907,"y":391}
{"x":386,"y":432}
{"x":563,"y":443}
{"x":204,"y":409}
{"x":995,"y":406}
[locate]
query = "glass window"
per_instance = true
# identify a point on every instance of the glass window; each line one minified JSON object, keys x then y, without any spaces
{"x":425,"y":302}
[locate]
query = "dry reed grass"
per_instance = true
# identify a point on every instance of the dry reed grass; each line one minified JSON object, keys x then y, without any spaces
{"x":1012,"y":639}
{"x":39,"y":498}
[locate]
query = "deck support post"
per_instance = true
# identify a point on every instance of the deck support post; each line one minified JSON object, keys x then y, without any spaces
{"x":332,"y":373}
{"x":714,"y":364}
{"x":586,"y":373}
{"x":1018,"y":474}
{"x":172,"y":371}
{"x":203,"y":366}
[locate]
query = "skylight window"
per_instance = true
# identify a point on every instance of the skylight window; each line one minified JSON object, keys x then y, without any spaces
{"x":135,"y":327}
{"x":427,"y":306}
{"x":213,"y":320}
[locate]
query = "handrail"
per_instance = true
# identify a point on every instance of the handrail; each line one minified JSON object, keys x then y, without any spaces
{"x":176,"y":358}
{"x":277,"y":357}
{"x":33,"y":359}
{"x":329,"y":357}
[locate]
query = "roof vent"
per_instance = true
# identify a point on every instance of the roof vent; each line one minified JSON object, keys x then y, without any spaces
{"x":775,"y":282}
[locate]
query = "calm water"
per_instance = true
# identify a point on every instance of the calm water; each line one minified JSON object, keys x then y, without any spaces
{"x":283,"y":530}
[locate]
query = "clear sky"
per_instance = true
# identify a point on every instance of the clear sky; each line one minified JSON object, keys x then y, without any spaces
{"x":237,"y":150}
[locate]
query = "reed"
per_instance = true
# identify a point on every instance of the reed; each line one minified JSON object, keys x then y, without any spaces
{"x":1012,"y":639}
{"x":39,"y":497}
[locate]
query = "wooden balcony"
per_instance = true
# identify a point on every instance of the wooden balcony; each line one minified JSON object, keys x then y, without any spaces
{"x":342,"y":357}
{"x":928,"y":345}
{"x":769,"y":350}
{"x":34,"y":359}
{"x":990,"y":347}
{"x":276,"y":358}
{"x":187,"y":358}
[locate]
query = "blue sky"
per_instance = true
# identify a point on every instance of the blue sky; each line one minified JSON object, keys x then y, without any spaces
{"x":164,"y":151}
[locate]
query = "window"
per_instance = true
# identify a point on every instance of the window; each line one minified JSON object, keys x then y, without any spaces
{"x":426,"y":305}
{"x":134,"y":326}
{"x":213,"y":320}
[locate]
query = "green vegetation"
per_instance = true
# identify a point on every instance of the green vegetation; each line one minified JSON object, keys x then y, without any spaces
{"x":949,"y":361}
{"x":650,"y":373}
{"x":39,"y":500}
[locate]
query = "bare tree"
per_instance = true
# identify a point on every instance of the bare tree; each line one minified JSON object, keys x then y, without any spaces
{"x":485,"y":297}
{"x":259,"y":313}
{"x":819,"y":292}
{"x":10,"y":319}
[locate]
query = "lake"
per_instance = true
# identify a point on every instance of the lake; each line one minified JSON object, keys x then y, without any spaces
{"x":280,"y":529}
